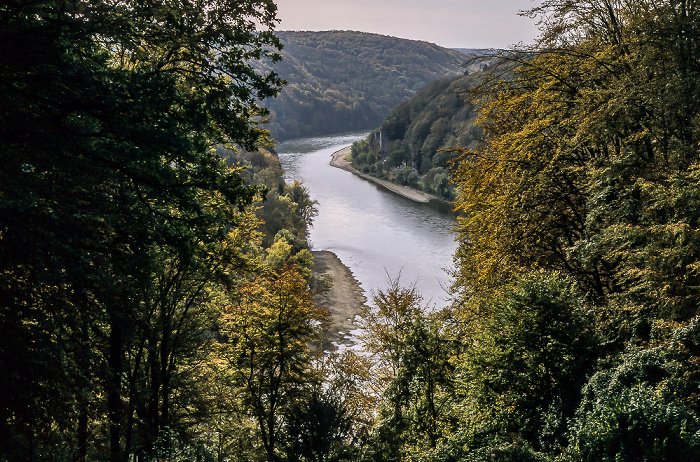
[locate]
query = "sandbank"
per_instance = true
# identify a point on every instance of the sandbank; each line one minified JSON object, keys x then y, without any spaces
{"x":344,"y":300}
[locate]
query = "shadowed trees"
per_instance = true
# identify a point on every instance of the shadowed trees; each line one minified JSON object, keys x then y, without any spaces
{"x":112,"y":206}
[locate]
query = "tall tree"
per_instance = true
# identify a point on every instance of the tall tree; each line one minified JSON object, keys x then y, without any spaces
{"x":589,"y":156}
{"x":412,"y":373}
{"x":108,"y":109}
{"x":270,"y":326}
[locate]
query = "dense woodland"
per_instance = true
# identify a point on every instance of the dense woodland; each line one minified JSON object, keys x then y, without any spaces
{"x":146,"y":313}
{"x":577,"y":265}
{"x":156,"y":301}
{"x":412,"y":146}
{"x":341,"y":81}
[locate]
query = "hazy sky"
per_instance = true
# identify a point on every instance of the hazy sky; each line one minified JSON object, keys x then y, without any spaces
{"x":449,"y":23}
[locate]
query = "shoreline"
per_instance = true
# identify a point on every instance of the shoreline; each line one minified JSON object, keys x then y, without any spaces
{"x":338,"y":161}
{"x":344,"y":300}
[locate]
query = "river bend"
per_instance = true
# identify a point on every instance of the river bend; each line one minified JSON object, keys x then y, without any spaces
{"x":376,"y":233}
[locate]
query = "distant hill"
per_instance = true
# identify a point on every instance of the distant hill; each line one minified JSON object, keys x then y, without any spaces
{"x":478,"y":51}
{"x":342,"y":81}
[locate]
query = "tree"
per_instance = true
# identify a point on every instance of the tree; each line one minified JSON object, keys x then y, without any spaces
{"x":317,"y":429}
{"x":586,"y":148}
{"x":644,"y":407}
{"x":270,"y":326}
{"x":417,"y":410}
{"x":386,"y":326}
{"x":170,"y":342}
{"x":108,"y":110}
{"x":347,"y":378}
{"x":412,"y":374}
{"x":521,"y":374}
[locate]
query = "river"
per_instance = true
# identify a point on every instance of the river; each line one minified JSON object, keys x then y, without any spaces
{"x":378,"y":234}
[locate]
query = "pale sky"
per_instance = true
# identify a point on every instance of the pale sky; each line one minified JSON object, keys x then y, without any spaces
{"x":448,"y":23}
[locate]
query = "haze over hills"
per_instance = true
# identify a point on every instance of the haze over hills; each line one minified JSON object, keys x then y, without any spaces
{"x":342,"y":80}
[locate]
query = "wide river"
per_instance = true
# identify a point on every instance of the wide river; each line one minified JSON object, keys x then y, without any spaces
{"x":376,"y":233}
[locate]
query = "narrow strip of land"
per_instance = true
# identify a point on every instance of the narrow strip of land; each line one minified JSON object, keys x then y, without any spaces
{"x":339,"y":161}
{"x":344,"y":300}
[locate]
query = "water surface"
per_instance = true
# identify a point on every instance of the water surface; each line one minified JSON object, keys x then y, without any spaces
{"x":376,"y":233}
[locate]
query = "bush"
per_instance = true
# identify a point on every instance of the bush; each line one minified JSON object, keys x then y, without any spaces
{"x":645,"y":408}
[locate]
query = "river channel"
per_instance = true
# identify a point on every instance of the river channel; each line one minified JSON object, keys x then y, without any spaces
{"x":376,"y":233}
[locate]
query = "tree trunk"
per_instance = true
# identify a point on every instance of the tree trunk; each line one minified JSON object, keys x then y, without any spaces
{"x":114,"y":413}
{"x":81,"y":450}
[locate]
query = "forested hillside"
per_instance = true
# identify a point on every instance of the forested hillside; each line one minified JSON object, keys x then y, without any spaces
{"x":136,"y":275}
{"x":342,"y":81}
{"x":155,"y":293}
{"x":412,"y":145}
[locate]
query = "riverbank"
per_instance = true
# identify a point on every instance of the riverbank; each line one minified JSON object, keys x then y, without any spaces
{"x":338,"y":160}
{"x":344,"y":300}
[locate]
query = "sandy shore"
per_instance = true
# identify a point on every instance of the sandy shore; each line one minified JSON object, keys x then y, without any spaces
{"x":344,"y":300}
{"x":339,"y":161}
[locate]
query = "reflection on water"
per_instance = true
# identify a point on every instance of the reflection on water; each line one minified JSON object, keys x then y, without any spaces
{"x":376,"y":233}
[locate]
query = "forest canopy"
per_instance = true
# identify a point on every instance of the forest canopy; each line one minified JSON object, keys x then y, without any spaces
{"x":123,"y":235}
{"x":577,"y":268}
{"x":340,"y":81}
{"x":156,"y":301}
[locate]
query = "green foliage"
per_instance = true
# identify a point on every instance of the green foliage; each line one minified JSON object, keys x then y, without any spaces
{"x":154,"y":294}
{"x":526,"y":362}
{"x":318,"y":429}
{"x":269,"y":326}
{"x":419,"y":133}
{"x":582,"y":169}
{"x":339,"y":81}
{"x":414,"y":373}
{"x":386,"y":327}
{"x":645,"y":407}
{"x":285,"y":208}
{"x":120,"y":228}
{"x":587,"y":170}
{"x":406,"y":176}
{"x":421,"y":394}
